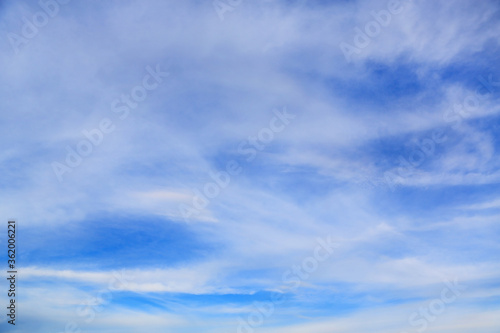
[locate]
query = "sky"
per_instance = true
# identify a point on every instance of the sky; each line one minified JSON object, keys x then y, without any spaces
{"x":251,"y":166}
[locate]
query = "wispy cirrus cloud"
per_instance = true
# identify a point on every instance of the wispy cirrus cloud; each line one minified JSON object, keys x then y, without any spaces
{"x":431,"y":74}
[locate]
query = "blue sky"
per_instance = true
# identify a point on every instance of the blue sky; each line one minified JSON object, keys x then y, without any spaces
{"x":174,"y":166}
